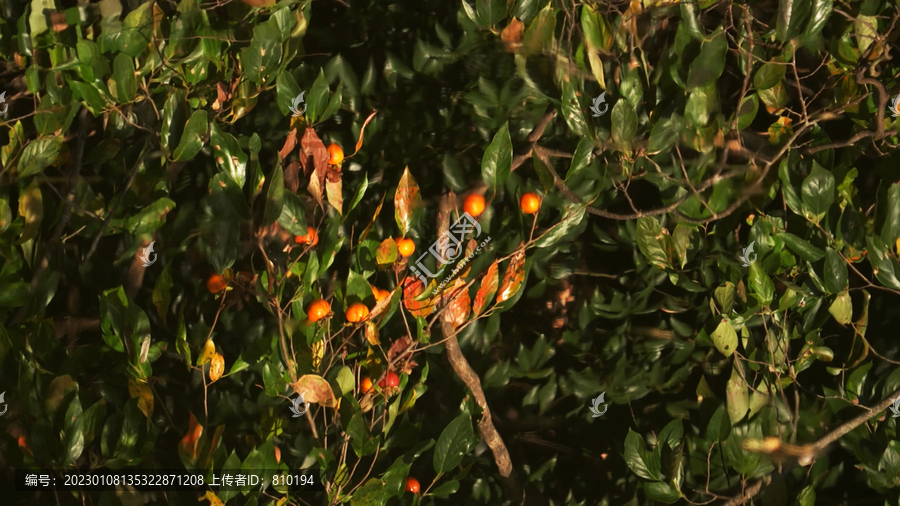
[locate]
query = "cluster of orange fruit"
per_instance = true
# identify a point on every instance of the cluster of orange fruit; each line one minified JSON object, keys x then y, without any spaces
{"x":474,"y":204}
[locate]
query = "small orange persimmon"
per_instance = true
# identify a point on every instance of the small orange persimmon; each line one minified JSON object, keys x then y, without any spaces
{"x":311,"y":237}
{"x":380,"y":294}
{"x":474,"y":205}
{"x":412,"y":485}
{"x":406,"y":246}
{"x":318,"y":309}
{"x":335,"y":155}
{"x":357,"y":312}
{"x":216,"y":283}
{"x":366,"y":384}
{"x":530,"y":203}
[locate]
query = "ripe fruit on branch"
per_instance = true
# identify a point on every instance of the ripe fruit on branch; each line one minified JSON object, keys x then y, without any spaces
{"x":366,"y":384}
{"x":216,"y":283}
{"x":412,"y":485}
{"x":311,"y":237}
{"x":406,"y":246}
{"x":318,"y":309}
{"x":474,"y":205}
{"x":335,"y":155}
{"x":391,"y":380}
{"x":357,"y":312}
{"x":530,"y":203}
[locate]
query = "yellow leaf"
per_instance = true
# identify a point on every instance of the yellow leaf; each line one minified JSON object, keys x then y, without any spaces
{"x":144,"y":395}
{"x":897,"y":245}
{"x":282,"y":501}
{"x":315,"y":389}
{"x":372,"y":334}
{"x":216,"y":367}
{"x":212,"y":498}
{"x":318,"y":351}
{"x":209,"y":349}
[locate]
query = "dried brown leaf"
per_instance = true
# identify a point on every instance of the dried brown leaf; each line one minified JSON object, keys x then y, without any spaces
{"x":487,"y":290}
{"x":513,"y":278}
{"x":289,"y":144}
{"x":512,"y":35}
{"x":362,"y":131}
{"x":399,"y":347}
{"x":292,"y":176}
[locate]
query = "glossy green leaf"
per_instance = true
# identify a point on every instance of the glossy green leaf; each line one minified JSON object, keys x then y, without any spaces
{"x":126,"y":84}
{"x":261,"y":59}
{"x":454,"y":442}
{"x":38,"y":155}
{"x":497,"y":160}
{"x":710,"y":63}
{"x":229,"y":157}
{"x":192,"y":138}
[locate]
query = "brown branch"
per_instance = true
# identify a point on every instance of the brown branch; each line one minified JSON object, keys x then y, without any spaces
{"x":533,"y":137}
{"x":473,"y":382}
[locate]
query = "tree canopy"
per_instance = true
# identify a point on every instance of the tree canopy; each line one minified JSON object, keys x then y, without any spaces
{"x":507,"y":252}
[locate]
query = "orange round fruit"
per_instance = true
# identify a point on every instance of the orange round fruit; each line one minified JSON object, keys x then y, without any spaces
{"x":412,"y":485}
{"x":391,"y":380}
{"x":216,"y":283}
{"x":474,"y":205}
{"x":530,"y":203}
{"x":335,"y":155}
{"x":366,"y":384}
{"x":318,"y":309}
{"x":380,"y":294}
{"x":311,"y":237}
{"x":406,"y":246}
{"x":357,"y":312}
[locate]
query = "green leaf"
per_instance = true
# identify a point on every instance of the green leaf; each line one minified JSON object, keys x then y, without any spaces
{"x":842,"y":308}
{"x":360,"y":192}
{"x":317,"y":98}
{"x":725,"y":299}
{"x":725,"y":338}
{"x":371,"y":494}
{"x":885,"y":266}
{"x":648,"y":233}
{"x":710,"y":63}
{"x":737,"y":397}
{"x":821,"y":11}
{"x":662,"y":492}
{"x":225,"y":210}
{"x":229,"y":157}
{"x":572,"y":219}
{"x":181,"y":344}
{"x":817,"y":192}
{"x":192,"y":139}
{"x":624,"y":123}
{"x":453,"y":444}
{"x":890,"y":231}
{"x":769,"y":75}
{"x":137,"y":30}
{"x":262,"y":57}
{"x":362,"y":441}
{"x":792,"y":17}
{"x":803,"y":248}
{"x":357,"y":287}
{"x":31,"y":207}
{"x":293,"y":217}
{"x":635,"y":454}
{"x":664,"y":134}
{"x":73,"y":435}
{"x":445,"y":490}
{"x":497,"y":159}
{"x":38,"y":155}
{"x":787,"y":189}
{"x":836,"y":279}
{"x":719,"y":427}
{"x":275,"y":197}
{"x":123,"y":72}
{"x":582,"y":156}
{"x":162,"y":293}
{"x":761,"y":284}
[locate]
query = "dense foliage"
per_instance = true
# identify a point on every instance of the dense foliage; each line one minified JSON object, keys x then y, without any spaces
{"x":711,"y":256}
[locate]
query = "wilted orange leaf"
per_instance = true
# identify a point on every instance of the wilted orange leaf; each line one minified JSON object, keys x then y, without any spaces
{"x":334,"y":192}
{"x":315,"y":389}
{"x":289,"y":144}
{"x":188,"y":445}
{"x":209,"y":349}
{"x":460,"y":304}
{"x":362,"y":131}
{"x":312,"y":146}
{"x":144,"y":395}
{"x":380,"y":307}
{"x":216,"y":367}
{"x":408,"y":203}
{"x":512,"y":280}
{"x":386,"y":253}
{"x":487,"y":290}
{"x":512,"y":35}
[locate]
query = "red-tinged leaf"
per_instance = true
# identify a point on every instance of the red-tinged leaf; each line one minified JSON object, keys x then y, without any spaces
{"x":187,"y":448}
{"x":460,"y":304}
{"x":315,"y":389}
{"x":362,"y":131}
{"x":311,"y":146}
{"x":470,"y":248}
{"x":292,"y":176}
{"x":412,"y":288}
{"x":513,"y":278}
{"x":408,"y":203}
{"x":487,"y":290}
{"x":335,"y":195}
{"x":289,"y":144}
{"x":365,"y":233}
{"x":386,"y":254}
{"x":512,"y":35}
